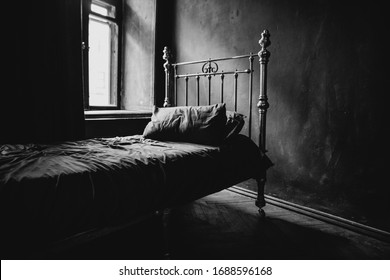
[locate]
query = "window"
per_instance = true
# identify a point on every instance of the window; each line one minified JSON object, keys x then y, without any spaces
{"x":102,"y":44}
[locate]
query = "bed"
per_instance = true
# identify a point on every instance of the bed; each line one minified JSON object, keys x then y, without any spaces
{"x":57,"y":192}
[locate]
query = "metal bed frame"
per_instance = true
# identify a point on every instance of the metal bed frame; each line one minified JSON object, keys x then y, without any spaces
{"x":210,"y":69}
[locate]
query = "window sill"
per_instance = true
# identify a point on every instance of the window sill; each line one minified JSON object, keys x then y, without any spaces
{"x":116,"y":114}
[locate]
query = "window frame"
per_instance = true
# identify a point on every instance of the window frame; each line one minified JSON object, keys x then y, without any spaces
{"x":118,"y":20}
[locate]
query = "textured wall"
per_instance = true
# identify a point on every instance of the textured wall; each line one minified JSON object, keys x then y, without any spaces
{"x":139,"y":60}
{"x":326,"y":129}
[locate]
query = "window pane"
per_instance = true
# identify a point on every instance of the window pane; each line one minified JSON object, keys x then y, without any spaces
{"x":103,"y":9}
{"x":99,"y":9}
{"x":99,"y":63}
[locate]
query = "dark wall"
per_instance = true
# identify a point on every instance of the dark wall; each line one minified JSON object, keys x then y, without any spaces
{"x":114,"y":127}
{"x":43,"y":96}
{"x":327,"y":78}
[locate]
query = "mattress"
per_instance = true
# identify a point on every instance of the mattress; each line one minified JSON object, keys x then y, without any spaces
{"x":57,"y":190}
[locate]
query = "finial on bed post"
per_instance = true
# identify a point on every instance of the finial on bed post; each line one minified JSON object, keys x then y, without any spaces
{"x":167,"y":66}
{"x":263,"y":104}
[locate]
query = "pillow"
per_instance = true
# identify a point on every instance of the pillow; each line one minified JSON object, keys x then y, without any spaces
{"x":195,"y":124}
{"x":234,"y":123}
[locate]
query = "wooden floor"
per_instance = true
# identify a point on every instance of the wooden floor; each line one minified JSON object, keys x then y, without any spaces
{"x":226,"y":225}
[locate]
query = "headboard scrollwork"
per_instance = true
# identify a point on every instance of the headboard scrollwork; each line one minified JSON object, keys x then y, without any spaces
{"x":210,"y":67}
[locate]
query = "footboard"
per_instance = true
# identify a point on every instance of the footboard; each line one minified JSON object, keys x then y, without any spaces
{"x":200,"y":75}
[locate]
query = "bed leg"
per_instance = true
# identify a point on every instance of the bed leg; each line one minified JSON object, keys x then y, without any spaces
{"x":260,"y":201}
{"x":164,"y":216}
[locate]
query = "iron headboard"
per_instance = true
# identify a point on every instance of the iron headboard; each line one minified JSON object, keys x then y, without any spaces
{"x":209,"y":69}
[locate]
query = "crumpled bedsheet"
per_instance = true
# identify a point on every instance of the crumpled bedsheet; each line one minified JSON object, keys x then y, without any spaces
{"x":57,"y":190}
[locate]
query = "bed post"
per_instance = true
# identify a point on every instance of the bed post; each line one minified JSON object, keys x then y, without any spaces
{"x":262,"y":105}
{"x":167,"y":67}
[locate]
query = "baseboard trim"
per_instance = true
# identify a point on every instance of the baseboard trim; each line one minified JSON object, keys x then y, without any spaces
{"x":322,"y":216}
